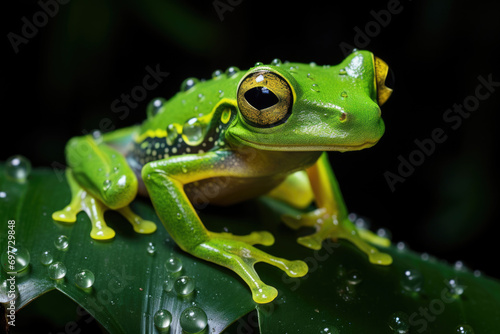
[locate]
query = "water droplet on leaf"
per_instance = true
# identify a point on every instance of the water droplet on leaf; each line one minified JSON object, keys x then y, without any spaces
{"x":62,"y":242}
{"x":162,"y":319}
{"x":84,"y":279}
{"x":193,"y":320}
{"x":184,"y":285}
{"x":17,"y":168}
{"x":57,"y":270}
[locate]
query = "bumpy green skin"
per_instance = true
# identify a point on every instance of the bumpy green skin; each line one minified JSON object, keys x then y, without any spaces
{"x":198,"y":148}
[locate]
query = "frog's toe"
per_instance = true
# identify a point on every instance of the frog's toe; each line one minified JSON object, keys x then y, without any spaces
{"x":313,"y":241}
{"x":66,"y":215}
{"x":380,"y":258}
{"x":264,"y":294}
{"x":310,"y":219}
{"x":145,"y":227}
{"x":100,"y":232}
{"x":257,"y":237}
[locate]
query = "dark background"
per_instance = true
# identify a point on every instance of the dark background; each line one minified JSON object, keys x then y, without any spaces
{"x":65,"y":78}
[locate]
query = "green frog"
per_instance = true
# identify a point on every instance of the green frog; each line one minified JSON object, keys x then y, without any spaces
{"x":239,"y":135}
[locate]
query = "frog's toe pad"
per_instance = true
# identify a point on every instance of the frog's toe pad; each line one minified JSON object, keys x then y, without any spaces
{"x":380,"y":258}
{"x":311,"y":241}
{"x":297,"y":268}
{"x":104,"y":233}
{"x":145,"y":227}
{"x":65,"y":215}
{"x":264,"y":294}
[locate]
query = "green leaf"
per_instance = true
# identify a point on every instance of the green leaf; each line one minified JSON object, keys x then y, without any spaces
{"x":342,"y":293}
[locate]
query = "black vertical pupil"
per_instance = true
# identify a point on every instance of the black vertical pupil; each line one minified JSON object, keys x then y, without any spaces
{"x":261,"y":98}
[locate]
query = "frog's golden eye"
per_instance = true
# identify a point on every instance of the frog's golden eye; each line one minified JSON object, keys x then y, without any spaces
{"x":265,"y":99}
{"x":381,"y":70}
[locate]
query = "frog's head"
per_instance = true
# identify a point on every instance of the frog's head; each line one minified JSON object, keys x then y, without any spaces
{"x":306,"y":107}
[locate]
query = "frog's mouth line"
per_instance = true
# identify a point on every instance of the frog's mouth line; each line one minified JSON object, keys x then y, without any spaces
{"x":302,"y":148}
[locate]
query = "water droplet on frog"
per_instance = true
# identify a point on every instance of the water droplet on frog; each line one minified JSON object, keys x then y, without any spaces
{"x":171,"y":134}
{"x":353,"y":277}
{"x":162,"y":319}
{"x":315,"y":87}
{"x":401,"y":246}
{"x":312,"y":64}
{"x":399,"y":323}
{"x":57,"y":270}
{"x":179,"y":216}
{"x":151,"y":249}
{"x":168,"y":284}
{"x":184,"y":285}
{"x":294,"y":69}
{"x":384,"y":233}
{"x":15,"y":260}
{"x":46,"y":258}
{"x":362,"y":223}
{"x":464,"y":329}
{"x":342,"y":71}
{"x":155,"y":106}
{"x":173,"y":265}
{"x":412,"y":280}
{"x":106,"y":184}
{"x":188,"y":84}
{"x":3,"y":194}
{"x":217,"y":74}
{"x":193,"y":131}
{"x":455,"y":287}
{"x":310,"y":76}
{"x":17,"y":168}
{"x":344,"y":94}
{"x":477,"y":273}
{"x":231,"y":71}
{"x":201,"y":97}
{"x":258,"y":64}
{"x":193,"y":319}
{"x":62,"y":242}
{"x":221,"y":93}
{"x":276,"y":62}
{"x":459,"y":265}
{"x":84,"y":279}
{"x":424,"y":257}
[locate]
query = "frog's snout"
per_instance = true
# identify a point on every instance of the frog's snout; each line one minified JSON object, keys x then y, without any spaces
{"x":382,"y":81}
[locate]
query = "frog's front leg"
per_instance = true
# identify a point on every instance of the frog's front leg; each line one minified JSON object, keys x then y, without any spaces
{"x":165,"y":180}
{"x":330,"y":219}
{"x":99,"y":179}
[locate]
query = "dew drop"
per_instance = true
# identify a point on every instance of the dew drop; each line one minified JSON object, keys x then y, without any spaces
{"x":455,"y":287}
{"x":62,"y":242}
{"x":179,"y":216}
{"x":344,"y":94}
{"x":193,"y":131}
{"x":46,"y":258}
{"x":173,"y":265}
{"x":313,"y":64}
{"x":384,"y":233}
{"x":188,"y":84}
{"x":57,"y":270}
{"x":201,"y":97}
{"x":231,"y":71}
{"x":155,"y":106}
{"x":401,"y":246}
{"x":276,"y":62}
{"x":151,"y":249}
{"x":399,"y":323}
{"x":15,"y":260}
{"x":221,"y":93}
{"x":193,"y":319}
{"x":184,"y":285}
{"x":342,"y":71}
{"x":168,"y":284}
{"x":217,"y":74}
{"x":258,"y":64}
{"x":464,"y":329}
{"x":17,"y":168}
{"x":353,"y":277}
{"x":84,"y":279}
{"x":315,"y":87}
{"x":172,"y":134}
{"x":412,"y":280}
{"x":162,"y":319}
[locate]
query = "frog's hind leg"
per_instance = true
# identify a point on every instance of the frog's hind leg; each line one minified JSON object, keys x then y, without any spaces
{"x":100,"y":179}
